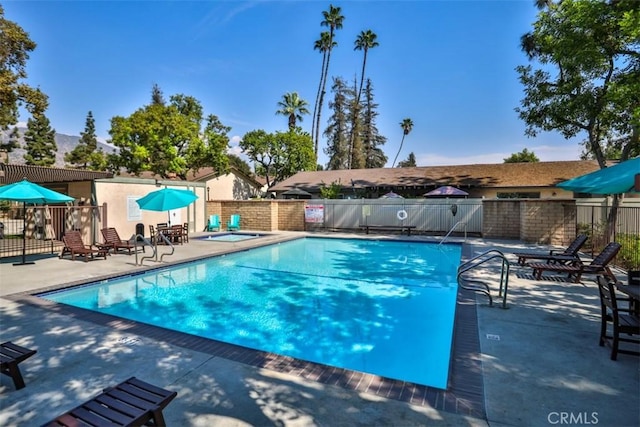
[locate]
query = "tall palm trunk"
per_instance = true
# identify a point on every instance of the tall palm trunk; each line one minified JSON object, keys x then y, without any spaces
{"x":399,"y":149}
{"x":322,"y":92}
{"x":315,"y":107}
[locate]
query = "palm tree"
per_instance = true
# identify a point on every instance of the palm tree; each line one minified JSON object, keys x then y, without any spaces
{"x":332,"y":19}
{"x":366,"y":40}
{"x":323,"y":44}
{"x":293,"y":107}
{"x":407,"y":126}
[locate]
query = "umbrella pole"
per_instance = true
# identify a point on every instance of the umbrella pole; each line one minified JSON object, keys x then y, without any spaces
{"x":24,"y":236}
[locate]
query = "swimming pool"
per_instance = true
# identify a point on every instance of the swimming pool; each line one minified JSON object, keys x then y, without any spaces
{"x":230,"y":237}
{"x":381,"y":307}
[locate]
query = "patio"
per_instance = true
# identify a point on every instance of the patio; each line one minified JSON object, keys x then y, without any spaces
{"x":540,"y":359}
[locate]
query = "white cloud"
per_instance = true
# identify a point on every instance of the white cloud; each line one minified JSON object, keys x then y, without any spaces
{"x":546,"y":153}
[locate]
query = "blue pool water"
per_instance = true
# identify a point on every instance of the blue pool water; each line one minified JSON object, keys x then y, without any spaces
{"x":380,"y":307}
{"x":230,"y":237}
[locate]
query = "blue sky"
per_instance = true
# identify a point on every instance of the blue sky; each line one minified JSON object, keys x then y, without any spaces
{"x":447,"y":65}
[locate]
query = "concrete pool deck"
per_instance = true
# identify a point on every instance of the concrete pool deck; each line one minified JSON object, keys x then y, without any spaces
{"x":541,"y":363}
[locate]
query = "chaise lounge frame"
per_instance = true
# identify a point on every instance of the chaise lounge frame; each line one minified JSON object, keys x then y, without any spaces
{"x":112,"y":239}
{"x":131,"y":403}
{"x":577,"y":268}
{"x":570,"y":253}
{"x":74,"y":245}
{"x":11,"y":355}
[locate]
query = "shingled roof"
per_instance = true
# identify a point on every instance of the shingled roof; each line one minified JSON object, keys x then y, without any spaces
{"x":503,"y":175}
{"x":10,"y":173}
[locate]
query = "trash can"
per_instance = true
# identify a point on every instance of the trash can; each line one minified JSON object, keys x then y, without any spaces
{"x":139,"y":232}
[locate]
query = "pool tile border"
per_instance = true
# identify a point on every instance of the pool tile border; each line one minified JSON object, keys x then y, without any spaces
{"x":464,"y":395}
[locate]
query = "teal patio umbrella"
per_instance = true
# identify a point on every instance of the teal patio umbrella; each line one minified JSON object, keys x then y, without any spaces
{"x":166,"y":200}
{"x":616,"y":179}
{"x":27,"y":192}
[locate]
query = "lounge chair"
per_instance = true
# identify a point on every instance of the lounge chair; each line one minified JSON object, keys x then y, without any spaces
{"x":625,"y":323}
{"x":234,"y":222}
{"x":112,"y":239}
{"x":554,"y":256}
{"x":214,"y":223}
{"x":130,"y":403}
{"x":577,"y":268}
{"x":74,"y":245}
{"x":10,"y":356}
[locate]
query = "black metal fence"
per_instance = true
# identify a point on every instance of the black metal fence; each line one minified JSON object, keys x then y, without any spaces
{"x":592,"y":221}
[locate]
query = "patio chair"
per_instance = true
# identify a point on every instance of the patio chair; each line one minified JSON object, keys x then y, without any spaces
{"x":112,"y":239}
{"x":74,"y":246}
{"x":234,"y":222}
{"x":214,"y":223}
{"x":570,"y":253}
{"x":130,"y":403}
{"x":599,"y":265}
{"x":10,"y":356}
{"x":624,"y":322}
{"x":185,"y":232}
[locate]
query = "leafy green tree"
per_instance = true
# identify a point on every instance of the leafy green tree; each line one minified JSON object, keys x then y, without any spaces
{"x":323,"y":44}
{"x":331,"y":191}
{"x":239,"y":164}
{"x":15,"y":47}
{"x":409,"y":163}
{"x":12,"y":143}
{"x":280,"y":155}
{"x":169,"y":140}
{"x":407,"y":127}
{"x":587,"y":79}
{"x":524,"y":156}
{"x":333,"y":19}
{"x":86,"y":154}
{"x":40,"y":143}
{"x":293,"y":107}
{"x":371,"y":138}
{"x":337,"y":131}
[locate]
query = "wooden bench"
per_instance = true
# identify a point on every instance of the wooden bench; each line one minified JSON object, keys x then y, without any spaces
{"x":10,"y":356}
{"x":130,"y":403}
{"x":400,"y":228}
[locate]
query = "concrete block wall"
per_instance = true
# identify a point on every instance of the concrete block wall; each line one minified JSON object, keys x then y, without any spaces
{"x":547,"y":221}
{"x":261,"y":215}
{"x":501,"y":219}
{"x":291,"y":215}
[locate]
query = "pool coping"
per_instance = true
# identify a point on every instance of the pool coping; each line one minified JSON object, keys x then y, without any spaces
{"x":465,"y":390}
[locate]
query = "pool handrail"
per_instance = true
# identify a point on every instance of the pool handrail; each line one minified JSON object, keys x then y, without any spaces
{"x":154,"y":247}
{"x":453,"y":228}
{"x":481,"y":259}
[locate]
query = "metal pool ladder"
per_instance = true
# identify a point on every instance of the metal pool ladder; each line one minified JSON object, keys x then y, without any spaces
{"x":482,"y":286}
{"x":154,"y":247}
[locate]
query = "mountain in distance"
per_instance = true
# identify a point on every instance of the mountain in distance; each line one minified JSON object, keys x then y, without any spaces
{"x":65,"y":143}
